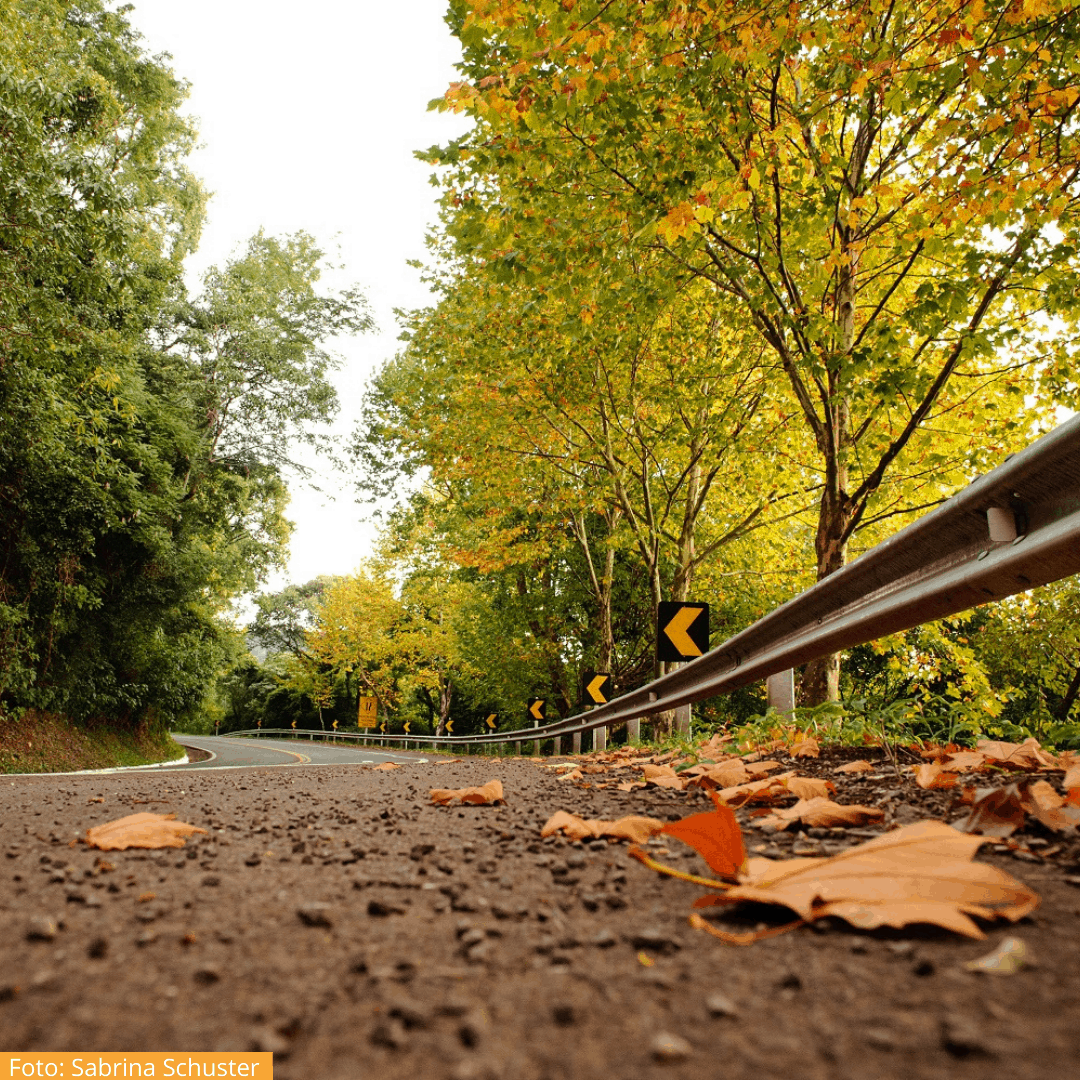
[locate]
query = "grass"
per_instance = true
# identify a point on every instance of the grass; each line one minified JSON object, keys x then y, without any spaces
{"x":39,"y":742}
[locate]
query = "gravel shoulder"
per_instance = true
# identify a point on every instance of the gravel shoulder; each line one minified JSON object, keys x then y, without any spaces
{"x":333,"y":916}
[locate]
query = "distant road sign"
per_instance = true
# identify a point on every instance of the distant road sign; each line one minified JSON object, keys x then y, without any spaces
{"x":294,"y":723}
{"x":597,"y":686}
{"x":450,"y":726}
{"x":537,"y":709}
{"x":407,"y":723}
{"x":492,"y":722}
{"x":382,"y":727}
{"x":367,"y":712}
{"x":334,"y":725}
{"x":682,"y":631}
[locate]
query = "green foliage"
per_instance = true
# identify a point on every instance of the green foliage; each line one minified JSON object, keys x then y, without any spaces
{"x":143,"y":436}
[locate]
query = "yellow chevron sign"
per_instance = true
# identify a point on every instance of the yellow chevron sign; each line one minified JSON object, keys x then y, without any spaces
{"x":294,"y":723}
{"x":597,"y":684}
{"x":450,"y":726}
{"x":536,"y":708}
{"x":334,"y":725}
{"x":407,"y":723}
{"x":490,"y":721}
{"x":682,"y":631}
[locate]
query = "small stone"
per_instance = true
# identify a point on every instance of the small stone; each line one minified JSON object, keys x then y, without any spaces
{"x":207,"y":976}
{"x":961,"y":1037}
{"x":880,"y":1039}
{"x":391,"y":1034}
{"x":901,"y":948}
{"x":471,"y":937}
{"x":41,"y":928}
{"x":252,"y":860}
{"x":669,"y":1048}
{"x":46,"y":981}
{"x":147,"y":937}
{"x":564,"y":1014}
{"x":315,"y":914}
{"x":721,"y":1005}
{"x":211,"y":880}
{"x":98,"y":948}
{"x":268,"y":1041}
{"x":652,"y":937}
{"x":384,"y":907}
{"x":1073,"y":880}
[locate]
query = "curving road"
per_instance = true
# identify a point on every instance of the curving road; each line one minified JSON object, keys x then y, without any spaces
{"x":247,"y":753}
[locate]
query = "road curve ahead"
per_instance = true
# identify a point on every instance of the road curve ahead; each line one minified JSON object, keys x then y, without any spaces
{"x":247,"y":753}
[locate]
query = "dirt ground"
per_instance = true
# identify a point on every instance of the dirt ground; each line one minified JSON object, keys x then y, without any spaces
{"x":333,"y":916}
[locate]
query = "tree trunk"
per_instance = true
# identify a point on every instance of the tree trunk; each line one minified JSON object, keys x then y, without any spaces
{"x":446,"y":693}
{"x":1070,"y":698}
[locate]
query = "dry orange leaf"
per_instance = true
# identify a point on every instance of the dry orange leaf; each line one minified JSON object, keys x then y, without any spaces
{"x":386,"y":766}
{"x":822,"y":813}
{"x":767,"y":790}
{"x":922,"y":873}
{"x":637,"y":829}
{"x":715,"y":836}
{"x":856,"y":767}
{"x":491,"y":792}
{"x":1044,"y":804}
{"x":806,"y":787}
{"x":999,"y":812}
{"x":1071,"y":783}
{"x":141,"y":831}
{"x":808,"y":747}
{"x":932,"y":775}
{"x":1026,"y":755}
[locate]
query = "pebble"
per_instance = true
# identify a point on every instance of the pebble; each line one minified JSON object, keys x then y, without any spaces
{"x":207,"y":976}
{"x":41,"y":928}
{"x":384,"y":907}
{"x":315,"y":914}
{"x":961,"y":1036}
{"x":721,"y":1005}
{"x":670,"y":1048}
{"x":268,"y":1041}
{"x":603,"y":939}
{"x":653,"y":937}
{"x":880,"y":1039}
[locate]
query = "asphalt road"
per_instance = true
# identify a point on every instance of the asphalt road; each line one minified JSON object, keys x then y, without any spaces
{"x":245,"y":753}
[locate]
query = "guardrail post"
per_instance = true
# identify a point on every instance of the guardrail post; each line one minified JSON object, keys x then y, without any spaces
{"x":536,"y":744}
{"x":781,"y":691}
{"x":577,"y":742}
{"x":633,"y":730}
{"x":599,"y":739}
{"x":556,"y":748}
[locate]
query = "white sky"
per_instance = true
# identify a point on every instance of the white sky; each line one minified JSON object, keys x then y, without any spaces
{"x":309,"y":114}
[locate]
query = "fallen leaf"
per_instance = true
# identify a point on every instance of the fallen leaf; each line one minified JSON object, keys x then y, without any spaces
{"x":386,"y":766}
{"x":1007,"y":959}
{"x":1044,"y":804}
{"x":806,"y":787}
{"x":856,"y":767}
{"x":921,"y":873}
{"x":629,"y":785}
{"x":491,"y":792}
{"x":996,"y":812}
{"x":822,"y":813}
{"x":141,"y":831}
{"x":715,"y":836}
{"x":964,"y":761}
{"x":932,"y":776}
{"x":808,"y":747}
{"x":768,"y":790}
{"x":637,"y":829}
{"x":999,"y":812}
{"x":1071,"y":783}
{"x":653,"y":772}
{"x":1026,"y":755}
{"x":574,"y":775}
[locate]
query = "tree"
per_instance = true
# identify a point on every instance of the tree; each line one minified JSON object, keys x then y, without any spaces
{"x":888,"y":196}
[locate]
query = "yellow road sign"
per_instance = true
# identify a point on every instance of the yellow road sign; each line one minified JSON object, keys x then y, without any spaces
{"x":490,"y":721}
{"x":450,"y":726}
{"x":683,"y":631}
{"x":536,"y":708}
{"x":596,"y":687}
{"x":367,"y":712}
{"x":407,"y":723}
{"x":294,"y":723}
{"x":334,"y":725}
{"x":258,"y":723}
{"x":382,"y":727}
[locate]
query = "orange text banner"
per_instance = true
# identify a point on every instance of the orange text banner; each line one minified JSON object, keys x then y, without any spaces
{"x":131,"y":1064}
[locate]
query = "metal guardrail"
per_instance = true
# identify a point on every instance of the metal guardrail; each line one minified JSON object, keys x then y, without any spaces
{"x":1011,"y":530}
